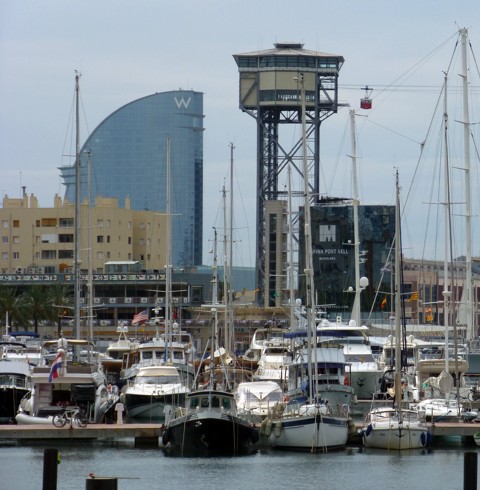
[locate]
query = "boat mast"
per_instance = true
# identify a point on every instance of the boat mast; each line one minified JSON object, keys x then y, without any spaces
{"x":468,"y":297}
{"x":168,"y":266}
{"x":308,"y":271}
{"x":290,"y":250}
{"x":447,"y":294}
{"x":360,"y":284}
{"x":398,"y":308}
{"x":76,"y":266}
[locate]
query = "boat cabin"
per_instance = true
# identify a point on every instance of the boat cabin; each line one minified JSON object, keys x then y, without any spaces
{"x":210,"y":400}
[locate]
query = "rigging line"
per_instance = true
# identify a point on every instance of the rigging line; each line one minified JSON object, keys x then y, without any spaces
{"x":422,"y":147}
{"x":474,"y":58}
{"x":421,"y":61}
{"x":396,"y":132}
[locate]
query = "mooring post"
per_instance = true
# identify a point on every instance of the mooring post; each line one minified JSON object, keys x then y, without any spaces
{"x":101,"y":483}
{"x":50,"y":463}
{"x":470,"y":463}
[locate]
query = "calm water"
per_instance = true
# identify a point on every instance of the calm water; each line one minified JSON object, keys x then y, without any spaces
{"x":21,"y":467}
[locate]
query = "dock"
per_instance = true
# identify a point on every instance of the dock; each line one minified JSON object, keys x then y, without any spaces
{"x":142,"y":434}
{"x":150,"y":434}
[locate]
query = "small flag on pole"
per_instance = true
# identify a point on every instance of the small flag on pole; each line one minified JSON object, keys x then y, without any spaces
{"x":413,"y":297}
{"x":56,"y":365}
{"x":140,"y":317}
{"x":383,"y":303}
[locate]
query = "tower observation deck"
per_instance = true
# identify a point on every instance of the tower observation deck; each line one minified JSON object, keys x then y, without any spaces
{"x":270,"y":91}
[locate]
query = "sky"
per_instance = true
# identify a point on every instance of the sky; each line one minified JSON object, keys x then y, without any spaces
{"x":126,"y":50}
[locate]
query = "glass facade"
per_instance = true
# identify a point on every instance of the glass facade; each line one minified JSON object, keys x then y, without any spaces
{"x":128,"y":159}
{"x":334,"y":258}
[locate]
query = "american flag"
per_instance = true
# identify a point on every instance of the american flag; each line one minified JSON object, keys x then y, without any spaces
{"x":140,"y":317}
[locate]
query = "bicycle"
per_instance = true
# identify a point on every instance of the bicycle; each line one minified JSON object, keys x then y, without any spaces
{"x":76,"y":415}
{"x":474,"y":394}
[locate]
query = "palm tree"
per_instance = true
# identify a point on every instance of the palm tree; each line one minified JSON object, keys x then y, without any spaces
{"x":12,"y":306}
{"x":59,"y":304}
{"x":35,"y":301}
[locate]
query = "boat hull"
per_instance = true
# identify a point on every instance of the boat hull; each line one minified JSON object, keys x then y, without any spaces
{"x":396,"y":438}
{"x":386,"y":429}
{"x":317,"y":433}
{"x":151,"y":407}
{"x":210,"y":434}
{"x":10,"y":398}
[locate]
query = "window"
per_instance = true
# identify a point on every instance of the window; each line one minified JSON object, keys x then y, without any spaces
{"x":49,"y":254}
{"x":16,"y":255}
{"x":65,"y":222}
{"x":4,"y":255}
{"x":65,"y":238}
{"x":129,"y":240}
{"x":49,"y":222}
{"x":65,"y":254}
{"x":108,"y":238}
{"x":16,"y":223}
{"x":4,"y":223}
{"x":100,"y":239}
{"x":16,"y":239}
{"x":4,"y":239}
{"x":99,"y":223}
{"x":99,"y":255}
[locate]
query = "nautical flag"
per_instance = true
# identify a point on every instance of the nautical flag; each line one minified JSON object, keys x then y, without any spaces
{"x":140,"y":317}
{"x":56,"y":365}
{"x":383,"y":303}
{"x":413,"y":297}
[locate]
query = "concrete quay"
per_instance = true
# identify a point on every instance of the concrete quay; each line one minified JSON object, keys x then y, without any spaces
{"x":143,"y":434}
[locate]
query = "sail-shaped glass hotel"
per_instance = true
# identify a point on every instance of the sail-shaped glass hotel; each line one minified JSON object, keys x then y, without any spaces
{"x":128,"y":158}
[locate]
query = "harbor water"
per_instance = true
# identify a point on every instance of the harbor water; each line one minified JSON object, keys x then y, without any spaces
{"x":440,"y":468}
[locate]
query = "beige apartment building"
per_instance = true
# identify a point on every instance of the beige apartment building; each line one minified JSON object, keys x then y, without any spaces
{"x":37,"y":240}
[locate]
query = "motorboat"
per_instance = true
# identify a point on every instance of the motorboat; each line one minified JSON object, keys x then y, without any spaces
{"x":273,"y":363}
{"x":320,"y":370}
{"x":113,"y":361}
{"x":15,"y":383}
{"x":439,"y":409}
{"x":209,"y":425}
{"x":66,"y":382}
{"x":256,"y":399}
{"x":365,"y":373}
{"x":176,"y":349}
{"x":151,"y":390}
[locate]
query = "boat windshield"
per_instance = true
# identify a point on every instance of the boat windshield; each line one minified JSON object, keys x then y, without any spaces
{"x":158,"y":380}
{"x":359,"y":358}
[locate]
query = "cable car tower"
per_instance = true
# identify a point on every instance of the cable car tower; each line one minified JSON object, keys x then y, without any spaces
{"x":270,"y":92}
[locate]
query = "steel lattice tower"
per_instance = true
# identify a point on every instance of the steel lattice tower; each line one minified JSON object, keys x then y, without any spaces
{"x":270,"y":92}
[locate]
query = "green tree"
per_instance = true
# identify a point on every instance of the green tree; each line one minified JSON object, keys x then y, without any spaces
{"x":35,"y":301}
{"x":59,"y":304}
{"x":12,"y":306}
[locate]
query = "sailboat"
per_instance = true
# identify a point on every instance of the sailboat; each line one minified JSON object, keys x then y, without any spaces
{"x":209,"y":424}
{"x":435,"y":374}
{"x":70,"y":373}
{"x":365,"y":374}
{"x":308,"y":425}
{"x":393,"y":426}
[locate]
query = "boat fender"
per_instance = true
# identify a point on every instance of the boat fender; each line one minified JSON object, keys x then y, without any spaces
{"x":268,"y":428}
{"x":277,"y":428}
{"x":254,"y":435}
{"x":426,"y":438}
{"x":369,"y":429}
{"x":166,"y":436}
